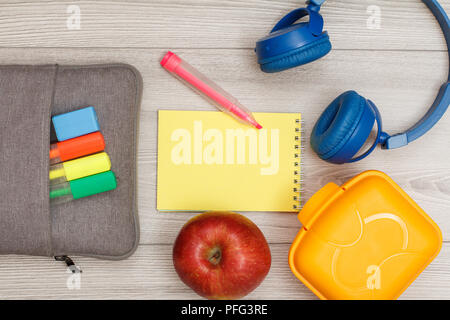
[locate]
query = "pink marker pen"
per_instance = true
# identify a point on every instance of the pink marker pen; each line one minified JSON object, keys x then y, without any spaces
{"x":219,"y":97}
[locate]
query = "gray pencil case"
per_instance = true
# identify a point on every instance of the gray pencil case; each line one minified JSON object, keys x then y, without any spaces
{"x":103,"y":226}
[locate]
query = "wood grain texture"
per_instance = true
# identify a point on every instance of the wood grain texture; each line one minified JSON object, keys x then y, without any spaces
{"x":399,"y":67}
{"x":149,"y":274}
{"x":405,"y":24}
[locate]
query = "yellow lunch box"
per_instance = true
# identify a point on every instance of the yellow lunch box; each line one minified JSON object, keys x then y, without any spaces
{"x":364,"y":240}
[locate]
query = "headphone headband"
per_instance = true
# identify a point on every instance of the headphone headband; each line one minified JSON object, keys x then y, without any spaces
{"x":316,"y":2}
{"x":315,"y":20}
{"x":440,"y":105}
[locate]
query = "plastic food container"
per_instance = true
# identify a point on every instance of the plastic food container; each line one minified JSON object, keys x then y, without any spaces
{"x":364,"y":240}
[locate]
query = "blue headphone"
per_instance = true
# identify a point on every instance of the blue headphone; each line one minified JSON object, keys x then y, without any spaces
{"x":347,"y":122}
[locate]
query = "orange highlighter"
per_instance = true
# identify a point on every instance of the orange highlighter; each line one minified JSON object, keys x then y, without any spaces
{"x":76,"y":147}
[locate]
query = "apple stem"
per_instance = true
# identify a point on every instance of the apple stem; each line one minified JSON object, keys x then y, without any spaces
{"x":215,"y":256}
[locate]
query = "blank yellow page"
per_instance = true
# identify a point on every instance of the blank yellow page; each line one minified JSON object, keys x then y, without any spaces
{"x":209,"y":161}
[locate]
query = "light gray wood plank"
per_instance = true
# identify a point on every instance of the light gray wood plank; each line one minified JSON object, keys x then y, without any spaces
{"x":405,"y":25}
{"x":149,"y":274}
{"x":402,"y":95}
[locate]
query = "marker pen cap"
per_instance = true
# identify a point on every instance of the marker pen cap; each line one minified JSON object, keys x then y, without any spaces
{"x":76,"y":147}
{"x":171,"y":61}
{"x":79,"y":168}
{"x":75,"y":124}
{"x":95,"y":184}
{"x":84,"y":187}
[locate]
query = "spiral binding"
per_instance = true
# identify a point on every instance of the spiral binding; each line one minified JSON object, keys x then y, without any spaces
{"x":298,"y":164}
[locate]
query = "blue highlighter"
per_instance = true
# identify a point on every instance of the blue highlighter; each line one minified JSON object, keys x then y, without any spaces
{"x":75,"y":124}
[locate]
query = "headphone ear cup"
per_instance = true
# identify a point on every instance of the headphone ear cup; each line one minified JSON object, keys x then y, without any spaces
{"x":336,"y":126}
{"x":297,"y":57}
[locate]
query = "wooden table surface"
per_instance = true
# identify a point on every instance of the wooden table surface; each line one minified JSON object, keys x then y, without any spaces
{"x":399,"y":65}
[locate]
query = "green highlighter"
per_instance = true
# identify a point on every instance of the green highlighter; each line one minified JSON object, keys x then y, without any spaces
{"x":82,"y":188}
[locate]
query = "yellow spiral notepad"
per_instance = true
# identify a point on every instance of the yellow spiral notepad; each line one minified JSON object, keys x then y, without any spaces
{"x":209,"y":161}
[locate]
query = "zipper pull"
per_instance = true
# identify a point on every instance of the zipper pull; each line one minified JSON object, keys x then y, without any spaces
{"x":70,"y":264}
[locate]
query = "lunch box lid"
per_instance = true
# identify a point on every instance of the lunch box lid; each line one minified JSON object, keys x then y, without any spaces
{"x":366,"y":239}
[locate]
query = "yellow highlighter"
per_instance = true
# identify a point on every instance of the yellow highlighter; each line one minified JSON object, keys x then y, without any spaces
{"x":79,"y":168}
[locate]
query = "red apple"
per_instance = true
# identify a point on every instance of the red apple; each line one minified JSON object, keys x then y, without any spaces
{"x":221,"y":255}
